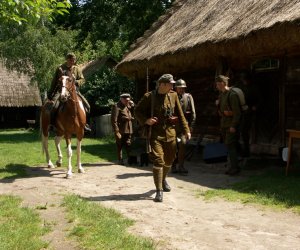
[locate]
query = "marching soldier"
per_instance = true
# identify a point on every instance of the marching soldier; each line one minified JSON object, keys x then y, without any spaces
{"x":167,"y":113}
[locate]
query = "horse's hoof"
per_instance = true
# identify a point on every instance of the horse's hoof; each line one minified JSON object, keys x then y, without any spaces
{"x":68,"y":176}
{"x":81,"y":170}
{"x":51,"y":166}
{"x":58,"y":164}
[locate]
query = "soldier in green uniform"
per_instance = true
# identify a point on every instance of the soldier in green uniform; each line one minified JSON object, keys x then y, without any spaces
{"x":68,"y":67}
{"x":188,"y":108}
{"x":253,"y":100}
{"x":167,"y":114}
{"x":121,"y":121}
{"x":230,"y":112}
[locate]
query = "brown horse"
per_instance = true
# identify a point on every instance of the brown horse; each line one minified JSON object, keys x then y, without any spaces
{"x":69,"y":120}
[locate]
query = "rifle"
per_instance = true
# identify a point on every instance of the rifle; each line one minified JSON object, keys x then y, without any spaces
{"x":149,"y":128}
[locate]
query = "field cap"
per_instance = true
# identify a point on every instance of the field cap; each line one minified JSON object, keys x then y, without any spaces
{"x":71,"y":55}
{"x":125,"y":95}
{"x":222,"y":78}
{"x":166,"y":78}
{"x":180,"y":83}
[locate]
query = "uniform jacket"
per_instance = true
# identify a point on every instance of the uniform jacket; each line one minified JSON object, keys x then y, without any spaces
{"x":75,"y":71}
{"x":188,"y":108}
{"x":121,"y":119}
{"x":164,"y":104}
{"x":229,"y":101}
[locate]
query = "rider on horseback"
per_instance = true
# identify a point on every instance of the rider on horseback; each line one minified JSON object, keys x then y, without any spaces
{"x":67,"y":68}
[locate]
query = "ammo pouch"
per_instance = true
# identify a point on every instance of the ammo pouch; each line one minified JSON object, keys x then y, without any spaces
{"x":172,"y":120}
{"x":228,"y":113}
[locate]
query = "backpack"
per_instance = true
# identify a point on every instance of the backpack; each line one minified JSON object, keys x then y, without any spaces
{"x":241,"y":96}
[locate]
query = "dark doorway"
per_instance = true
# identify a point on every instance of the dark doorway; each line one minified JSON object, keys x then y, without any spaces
{"x":267,"y":115}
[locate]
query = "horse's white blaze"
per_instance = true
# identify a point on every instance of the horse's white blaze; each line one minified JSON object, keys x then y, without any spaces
{"x":64,"y":90}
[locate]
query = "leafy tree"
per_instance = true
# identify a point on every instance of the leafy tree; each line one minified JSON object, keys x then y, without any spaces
{"x":36,"y":51}
{"x":28,"y":10}
{"x":104,"y":88}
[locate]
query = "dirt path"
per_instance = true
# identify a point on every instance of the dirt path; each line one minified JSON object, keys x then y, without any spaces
{"x":182,"y":221}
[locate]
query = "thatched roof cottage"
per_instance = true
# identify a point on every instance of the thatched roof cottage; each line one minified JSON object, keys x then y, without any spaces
{"x":19,"y":99}
{"x":197,"y":39}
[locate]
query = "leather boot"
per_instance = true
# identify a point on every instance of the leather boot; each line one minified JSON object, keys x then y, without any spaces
{"x":158,"y":196}
{"x":158,"y":177}
{"x":166,"y":186}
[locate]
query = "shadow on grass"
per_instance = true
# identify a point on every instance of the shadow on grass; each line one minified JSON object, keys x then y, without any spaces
{"x":20,"y":136}
{"x":124,"y":197}
{"x":106,"y":152}
{"x":273,"y":186}
{"x":11,"y":172}
{"x":133,"y":175}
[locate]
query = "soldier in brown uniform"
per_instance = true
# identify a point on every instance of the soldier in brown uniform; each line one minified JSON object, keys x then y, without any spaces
{"x":188,"y":108}
{"x":167,"y":113}
{"x":230,"y":112}
{"x":121,"y":120}
{"x":68,"y":67}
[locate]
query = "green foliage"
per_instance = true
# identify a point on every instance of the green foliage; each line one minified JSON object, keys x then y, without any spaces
{"x":20,"y":227}
{"x":28,"y":10}
{"x":98,"y":227}
{"x":92,"y":29}
{"x":105,"y":87}
{"x":44,"y":52}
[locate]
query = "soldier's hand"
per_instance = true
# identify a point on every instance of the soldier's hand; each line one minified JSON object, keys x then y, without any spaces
{"x":188,"y":136}
{"x":151,"y":121}
{"x":118,"y":135}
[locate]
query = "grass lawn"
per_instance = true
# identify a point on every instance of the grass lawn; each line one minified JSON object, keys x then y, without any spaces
{"x":97,"y":227}
{"x":272,"y":188}
{"x":21,"y":227}
{"x":21,"y":149}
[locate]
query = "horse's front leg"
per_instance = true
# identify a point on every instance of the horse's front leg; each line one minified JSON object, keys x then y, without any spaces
{"x":46,"y":150}
{"x":69,"y":155}
{"x":59,"y":154}
{"x":80,"y":168}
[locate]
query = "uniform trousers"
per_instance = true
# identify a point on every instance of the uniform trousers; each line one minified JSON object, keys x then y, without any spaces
{"x":162,"y":155}
{"x":231,"y":141}
{"x":125,"y":141}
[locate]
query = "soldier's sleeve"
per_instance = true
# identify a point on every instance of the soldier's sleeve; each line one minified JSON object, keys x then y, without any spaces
{"x":79,"y":76}
{"x":235,"y":106}
{"x":182,"y":121}
{"x":114,"y":118}
{"x":193,"y":111}
{"x":142,"y":110}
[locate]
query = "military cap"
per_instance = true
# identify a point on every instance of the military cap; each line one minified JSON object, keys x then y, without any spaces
{"x":71,"y":55}
{"x":125,"y":95}
{"x":222,"y":78}
{"x":166,"y":78}
{"x":180,"y":83}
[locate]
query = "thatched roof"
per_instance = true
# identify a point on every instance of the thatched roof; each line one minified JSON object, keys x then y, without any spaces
{"x":90,"y":68}
{"x":197,"y":31}
{"x":16,"y":90}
